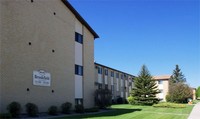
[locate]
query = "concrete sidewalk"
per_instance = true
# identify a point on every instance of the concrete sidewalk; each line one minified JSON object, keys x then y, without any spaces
{"x":195,"y":114}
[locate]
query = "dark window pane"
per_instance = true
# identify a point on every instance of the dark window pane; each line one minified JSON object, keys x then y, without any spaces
{"x":78,"y":38}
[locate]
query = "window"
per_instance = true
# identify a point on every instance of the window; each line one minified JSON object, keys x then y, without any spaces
{"x":78,"y":38}
{"x":78,"y":101}
{"x":160,"y":82}
{"x":99,"y":70}
{"x":122,"y":76}
{"x":99,"y":86}
{"x":117,"y":75}
{"x":106,"y":86}
{"x":161,"y":91}
{"x":78,"y":70}
{"x":106,"y":71}
{"x":112,"y":73}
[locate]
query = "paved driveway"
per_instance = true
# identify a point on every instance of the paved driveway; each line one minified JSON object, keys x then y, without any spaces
{"x":195,"y":114}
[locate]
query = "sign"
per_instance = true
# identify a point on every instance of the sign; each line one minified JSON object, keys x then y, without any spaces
{"x":41,"y":78}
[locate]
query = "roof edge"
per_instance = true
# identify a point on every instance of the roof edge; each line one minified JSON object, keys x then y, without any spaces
{"x":113,"y":69}
{"x":80,"y":18}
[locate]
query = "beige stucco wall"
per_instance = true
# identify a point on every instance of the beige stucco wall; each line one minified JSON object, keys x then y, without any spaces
{"x":0,"y":53}
{"x":88,"y":63}
{"x":165,"y":88}
{"x":194,"y":93}
{"x":23,"y":22}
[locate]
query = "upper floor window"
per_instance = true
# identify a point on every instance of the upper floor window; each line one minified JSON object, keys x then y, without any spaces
{"x":112,"y":73}
{"x":117,"y":75}
{"x":78,"y":38}
{"x":160,"y":82}
{"x":106,"y":71}
{"x":99,"y":70}
{"x":78,"y":70}
{"x":161,"y":91}
{"x":122,"y":76}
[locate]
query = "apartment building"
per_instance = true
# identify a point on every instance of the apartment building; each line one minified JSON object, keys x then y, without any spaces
{"x":163,"y":85}
{"x":46,"y":54}
{"x":120,"y":83}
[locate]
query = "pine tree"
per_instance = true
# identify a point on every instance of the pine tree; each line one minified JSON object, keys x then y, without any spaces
{"x":145,"y":89}
{"x":177,"y":76}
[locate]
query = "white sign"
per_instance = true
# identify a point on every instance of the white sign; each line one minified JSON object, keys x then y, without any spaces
{"x":41,"y":78}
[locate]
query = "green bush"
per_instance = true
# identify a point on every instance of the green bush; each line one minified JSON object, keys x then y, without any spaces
{"x":94,"y":109}
{"x":65,"y":107}
{"x":53,"y":110}
{"x":131,"y":100}
{"x":169,"y":105}
{"x":179,"y":93}
{"x":198,"y":92}
{"x":15,"y":109}
{"x":31,"y":109}
{"x":103,"y":98}
{"x":5,"y":116}
{"x":79,"y":108}
{"x":120,"y":100}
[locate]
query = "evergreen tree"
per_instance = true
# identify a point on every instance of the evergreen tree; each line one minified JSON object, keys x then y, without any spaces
{"x":177,"y":76}
{"x":145,"y":89}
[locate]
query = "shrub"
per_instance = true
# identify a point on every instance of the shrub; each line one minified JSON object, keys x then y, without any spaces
{"x":131,"y":100}
{"x":5,"y":116}
{"x":94,"y":109}
{"x":79,"y":108}
{"x":65,"y":107}
{"x":179,"y":93}
{"x":15,"y":109}
{"x":31,"y":109}
{"x":119,"y":100}
{"x":198,"y":92}
{"x":103,"y":98}
{"x":53,"y":110}
{"x":169,"y":105}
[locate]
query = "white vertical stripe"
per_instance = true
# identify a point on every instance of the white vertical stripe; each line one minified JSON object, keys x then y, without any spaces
{"x":112,"y":81}
{"x":78,"y":54}
{"x":99,"y":78}
{"x":122,"y":94}
{"x":106,"y":80}
{"x":122,"y":84}
{"x":117,"y":84}
{"x":78,"y":86}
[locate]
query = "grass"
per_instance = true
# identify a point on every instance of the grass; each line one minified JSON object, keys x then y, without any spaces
{"x":169,"y":105}
{"x":127,"y":111}
{"x":195,"y":101}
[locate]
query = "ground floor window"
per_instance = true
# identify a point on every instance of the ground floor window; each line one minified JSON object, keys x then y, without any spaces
{"x":99,"y":86}
{"x":78,"y":101}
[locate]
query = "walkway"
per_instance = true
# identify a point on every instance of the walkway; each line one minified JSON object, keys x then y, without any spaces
{"x":195,"y":114}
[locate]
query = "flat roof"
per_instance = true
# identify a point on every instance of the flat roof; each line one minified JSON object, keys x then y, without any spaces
{"x":114,"y":69}
{"x":80,"y":18}
{"x":162,"y":77}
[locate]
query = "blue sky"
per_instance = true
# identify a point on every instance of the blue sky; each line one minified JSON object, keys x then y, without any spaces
{"x":157,"y":33}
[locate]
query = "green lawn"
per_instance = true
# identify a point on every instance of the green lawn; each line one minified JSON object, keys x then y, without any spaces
{"x":138,"y":112}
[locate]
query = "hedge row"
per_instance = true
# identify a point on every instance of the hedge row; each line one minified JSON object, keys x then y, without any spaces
{"x":169,"y":105}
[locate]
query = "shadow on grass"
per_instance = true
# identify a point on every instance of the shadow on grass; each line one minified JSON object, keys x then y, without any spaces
{"x":113,"y":112}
